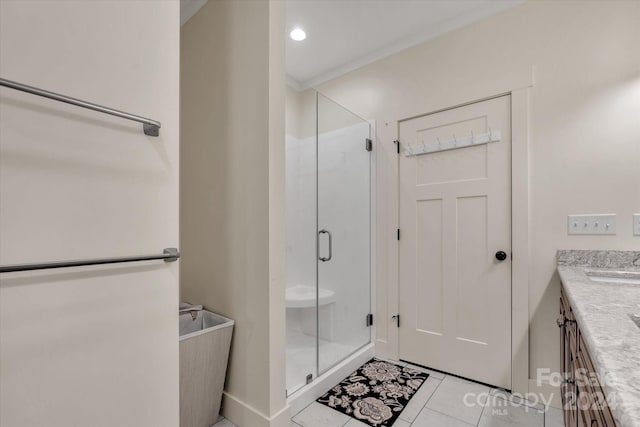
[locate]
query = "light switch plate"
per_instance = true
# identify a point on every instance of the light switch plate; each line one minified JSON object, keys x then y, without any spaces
{"x":600,"y":224}
{"x":636,"y":224}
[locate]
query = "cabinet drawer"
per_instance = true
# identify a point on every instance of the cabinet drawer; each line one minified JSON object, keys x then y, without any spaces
{"x":572,"y":337}
{"x":583,"y":397}
{"x":565,"y":307}
{"x":600,"y":408}
{"x":569,"y":398}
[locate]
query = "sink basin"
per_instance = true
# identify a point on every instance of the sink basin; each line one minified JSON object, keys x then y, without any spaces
{"x":627,"y":277}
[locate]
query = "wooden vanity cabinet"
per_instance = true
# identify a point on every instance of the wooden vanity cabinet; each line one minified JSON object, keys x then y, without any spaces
{"x":583,"y":398}
{"x":568,"y":351}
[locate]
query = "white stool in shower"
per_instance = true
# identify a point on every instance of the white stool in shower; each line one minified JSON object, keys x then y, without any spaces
{"x":301,"y":304}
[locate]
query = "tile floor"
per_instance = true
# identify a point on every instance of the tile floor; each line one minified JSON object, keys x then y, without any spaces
{"x":440,"y":402}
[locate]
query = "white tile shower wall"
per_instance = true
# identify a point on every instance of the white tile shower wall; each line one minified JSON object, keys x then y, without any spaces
{"x":340,"y":170}
{"x":301,"y":211}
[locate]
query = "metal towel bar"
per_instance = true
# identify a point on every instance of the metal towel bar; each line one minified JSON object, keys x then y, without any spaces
{"x":167,"y":255}
{"x":150,"y":127}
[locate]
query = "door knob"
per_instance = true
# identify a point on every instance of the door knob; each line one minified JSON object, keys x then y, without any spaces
{"x":501,"y":255}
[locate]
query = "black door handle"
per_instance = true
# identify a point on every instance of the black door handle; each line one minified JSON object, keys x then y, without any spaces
{"x":501,"y":255}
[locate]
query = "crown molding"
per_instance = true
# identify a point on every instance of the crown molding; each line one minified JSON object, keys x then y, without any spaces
{"x":294,"y":84}
{"x":408,"y":42}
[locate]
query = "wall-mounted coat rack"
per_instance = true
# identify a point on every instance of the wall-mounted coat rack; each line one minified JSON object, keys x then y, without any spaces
{"x":453,"y":144}
{"x":149,"y":127}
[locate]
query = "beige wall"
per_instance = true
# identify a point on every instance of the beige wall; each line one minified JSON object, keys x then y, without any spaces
{"x":293,"y":112}
{"x":301,"y":113}
{"x":584,"y":138}
{"x":302,"y":120}
{"x":89,"y":345}
{"x":232,"y":193}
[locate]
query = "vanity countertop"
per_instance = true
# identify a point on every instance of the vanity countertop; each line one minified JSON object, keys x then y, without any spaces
{"x":602,"y":310}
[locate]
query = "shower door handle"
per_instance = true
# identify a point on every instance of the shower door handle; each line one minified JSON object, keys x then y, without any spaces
{"x":325,"y":259}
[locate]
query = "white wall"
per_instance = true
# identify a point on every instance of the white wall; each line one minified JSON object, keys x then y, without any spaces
{"x":585,"y":150}
{"x":232,"y":193}
{"x":300,"y":113}
{"x":94,"y":345}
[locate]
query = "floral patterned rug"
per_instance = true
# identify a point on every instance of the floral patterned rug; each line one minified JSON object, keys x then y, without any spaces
{"x":376,"y":393}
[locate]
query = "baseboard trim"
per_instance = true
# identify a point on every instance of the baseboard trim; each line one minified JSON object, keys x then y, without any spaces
{"x":281,"y":418}
{"x":244,"y":415}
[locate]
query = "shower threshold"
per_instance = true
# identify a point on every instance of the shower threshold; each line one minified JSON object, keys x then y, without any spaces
{"x":301,"y":357}
{"x":304,"y":396}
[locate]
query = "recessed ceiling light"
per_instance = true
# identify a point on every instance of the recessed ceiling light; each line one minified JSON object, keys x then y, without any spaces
{"x":298,"y":34}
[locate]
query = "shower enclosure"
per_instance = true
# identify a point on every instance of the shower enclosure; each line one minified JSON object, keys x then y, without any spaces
{"x":328,"y":188}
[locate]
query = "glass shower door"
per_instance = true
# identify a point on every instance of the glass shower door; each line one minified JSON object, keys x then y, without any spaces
{"x":344,"y":230}
{"x":301,"y":291}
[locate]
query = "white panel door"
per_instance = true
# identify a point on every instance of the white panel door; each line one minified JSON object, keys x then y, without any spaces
{"x":455,"y":216}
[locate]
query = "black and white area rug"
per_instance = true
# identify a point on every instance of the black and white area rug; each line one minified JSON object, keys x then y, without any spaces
{"x":376,"y":393}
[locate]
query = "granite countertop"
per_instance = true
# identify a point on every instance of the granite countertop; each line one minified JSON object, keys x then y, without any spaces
{"x":602,"y":311}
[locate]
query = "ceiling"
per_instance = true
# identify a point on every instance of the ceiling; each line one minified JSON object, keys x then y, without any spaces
{"x":343,"y":35}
